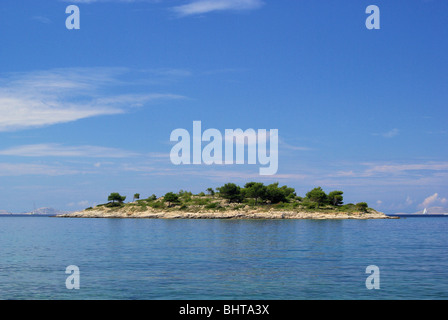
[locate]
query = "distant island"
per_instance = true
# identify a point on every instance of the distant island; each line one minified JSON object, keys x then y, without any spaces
{"x":230,"y":201}
{"x":427,"y":212}
{"x":37,"y":212}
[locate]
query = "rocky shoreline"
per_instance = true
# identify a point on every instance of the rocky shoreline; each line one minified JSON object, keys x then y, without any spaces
{"x":274,"y":215}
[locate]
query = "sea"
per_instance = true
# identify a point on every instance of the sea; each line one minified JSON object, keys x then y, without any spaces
{"x":144,"y":259}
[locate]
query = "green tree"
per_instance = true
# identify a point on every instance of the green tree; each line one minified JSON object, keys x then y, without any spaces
{"x":152,"y":197}
{"x":171,"y":198}
{"x":335,"y":198}
{"x":274,"y":194}
{"x":362,"y":206}
{"x":317,"y":195}
{"x":231,"y":192}
{"x":256,"y":190}
{"x":290,"y":193}
{"x":136,"y":196}
{"x":211,"y":191}
{"x":115,"y":196}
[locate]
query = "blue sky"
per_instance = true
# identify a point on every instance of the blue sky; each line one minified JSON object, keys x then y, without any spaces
{"x":88,"y":112}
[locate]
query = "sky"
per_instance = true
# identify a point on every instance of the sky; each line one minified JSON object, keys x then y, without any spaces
{"x":90,"y":111}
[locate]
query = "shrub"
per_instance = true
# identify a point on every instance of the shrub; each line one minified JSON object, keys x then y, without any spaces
{"x":362,"y":206}
{"x":280,"y":205}
{"x":212,"y":205}
{"x":171,"y":198}
{"x":157,"y":205}
{"x":114,"y":205}
{"x":201,"y":202}
{"x":184,"y":193}
{"x":309,"y":205}
{"x":152,"y":198}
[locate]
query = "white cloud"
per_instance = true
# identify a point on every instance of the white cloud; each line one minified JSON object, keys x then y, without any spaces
{"x":42,"y":98}
{"x":433,"y":200}
{"x":57,"y":150}
{"x":206,"y":6}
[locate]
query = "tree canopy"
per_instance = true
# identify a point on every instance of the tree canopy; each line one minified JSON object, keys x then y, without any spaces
{"x":231,"y":192}
{"x":362,"y":206}
{"x":317,"y":195}
{"x":255,"y":190}
{"x":115,"y":196}
{"x":171,"y":198}
{"x":335,"y":198}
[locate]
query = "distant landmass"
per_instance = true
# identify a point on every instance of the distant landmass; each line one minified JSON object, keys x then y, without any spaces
{"x":433,"y":211}
{"x":47,"y":212}
{"x":38,"y":212}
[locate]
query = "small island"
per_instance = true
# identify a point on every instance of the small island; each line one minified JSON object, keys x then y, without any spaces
{"x":253,"y":201}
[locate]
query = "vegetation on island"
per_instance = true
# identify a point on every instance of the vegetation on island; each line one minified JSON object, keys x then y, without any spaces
{"x":230,"y":196}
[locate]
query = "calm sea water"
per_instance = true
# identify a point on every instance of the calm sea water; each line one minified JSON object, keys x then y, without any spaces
{"x":219,"y":259}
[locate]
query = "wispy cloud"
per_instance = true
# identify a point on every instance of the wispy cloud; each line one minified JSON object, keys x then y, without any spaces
{"x":55,"y":96}
{"x":57,"y":150}
{"x":389,"y":134}
{"x":293,"y":147}
{"x":401,"y":168}
{"x":423,"y":174}
{"x":396,"y":172}
{"x":223,"y":175}
{"x":23,"y":169}
{"x":194,"y":7}
{"x":96,"y":1}
{"x":205,"y":6}
{"x":42,"y":19}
